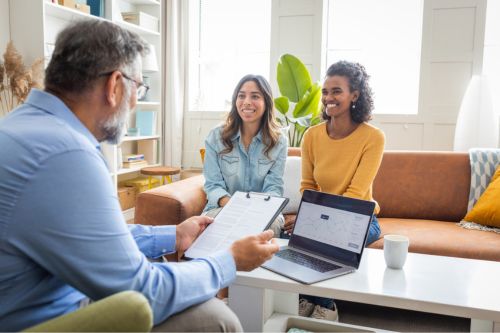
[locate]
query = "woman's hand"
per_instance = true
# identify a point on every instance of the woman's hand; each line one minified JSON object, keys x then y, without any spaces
{"x":223,"y":201}
{"x":289,"y":223}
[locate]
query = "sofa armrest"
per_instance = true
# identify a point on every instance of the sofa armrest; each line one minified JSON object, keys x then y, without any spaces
{"x":172,"y":203}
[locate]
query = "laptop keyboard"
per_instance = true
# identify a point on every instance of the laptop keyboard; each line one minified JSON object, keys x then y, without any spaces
{"x":307,"y":261}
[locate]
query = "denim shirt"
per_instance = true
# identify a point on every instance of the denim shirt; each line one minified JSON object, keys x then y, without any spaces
{"x":241,"y":170}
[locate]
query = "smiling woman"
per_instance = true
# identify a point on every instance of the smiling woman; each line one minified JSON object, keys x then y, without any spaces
{"x":248,"y":152}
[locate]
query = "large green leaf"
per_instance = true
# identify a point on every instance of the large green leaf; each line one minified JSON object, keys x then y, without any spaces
{"x":281,"y":104}
{"x":308,"y":104}
{"x":293,"y":77}
{"x":316,"y":120}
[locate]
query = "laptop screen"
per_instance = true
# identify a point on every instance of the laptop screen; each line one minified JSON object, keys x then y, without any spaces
{"x":333,"y":226}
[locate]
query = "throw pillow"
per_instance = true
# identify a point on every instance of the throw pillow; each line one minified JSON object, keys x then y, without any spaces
{"x":486,"y":211}
{"x":291,"y":180}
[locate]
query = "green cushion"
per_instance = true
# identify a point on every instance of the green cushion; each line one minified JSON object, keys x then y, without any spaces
{"x":128,"y":311}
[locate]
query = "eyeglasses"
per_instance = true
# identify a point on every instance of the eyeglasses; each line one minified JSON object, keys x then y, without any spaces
{"x":142,"y":89}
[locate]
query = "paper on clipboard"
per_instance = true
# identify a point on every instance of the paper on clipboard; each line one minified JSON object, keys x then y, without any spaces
{"x":245,"y":214}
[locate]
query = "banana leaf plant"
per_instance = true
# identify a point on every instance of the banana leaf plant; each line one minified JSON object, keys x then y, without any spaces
{"x":299,"y":104}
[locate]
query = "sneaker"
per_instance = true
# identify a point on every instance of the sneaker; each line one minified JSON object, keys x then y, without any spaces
{"x":305,"y":308}
{"x":325,"y":314}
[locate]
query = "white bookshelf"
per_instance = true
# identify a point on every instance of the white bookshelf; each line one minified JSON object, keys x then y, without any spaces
{"x":34,"y":27}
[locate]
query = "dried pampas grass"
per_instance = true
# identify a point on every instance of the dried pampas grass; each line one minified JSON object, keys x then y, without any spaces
{"x":16,"y":80}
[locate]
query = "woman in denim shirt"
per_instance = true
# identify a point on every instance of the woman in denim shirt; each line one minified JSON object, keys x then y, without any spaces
{"x":248,"y":152}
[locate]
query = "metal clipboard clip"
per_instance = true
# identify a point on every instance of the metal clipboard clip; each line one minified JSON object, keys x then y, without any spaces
{"x":266,"y":198}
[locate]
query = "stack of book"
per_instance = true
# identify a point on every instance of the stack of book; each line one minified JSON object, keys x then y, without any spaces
{"x":134,"y":161}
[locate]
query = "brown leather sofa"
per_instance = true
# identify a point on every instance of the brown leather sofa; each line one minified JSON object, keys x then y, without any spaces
{"x":421,"y":194}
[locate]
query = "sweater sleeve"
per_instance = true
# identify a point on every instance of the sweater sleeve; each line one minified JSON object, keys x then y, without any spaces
{"x":307,"y":182}
{"x":368,"y":166}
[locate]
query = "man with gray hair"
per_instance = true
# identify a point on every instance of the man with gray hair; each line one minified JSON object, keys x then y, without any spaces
{"x":63,"y":238}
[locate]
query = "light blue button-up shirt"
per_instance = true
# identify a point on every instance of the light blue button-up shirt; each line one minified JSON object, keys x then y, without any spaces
{"x":62,"y":233}
{"x":241,"y":170}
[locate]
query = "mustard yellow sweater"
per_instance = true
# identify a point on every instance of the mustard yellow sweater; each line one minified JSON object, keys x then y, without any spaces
{"x":346,"y":166}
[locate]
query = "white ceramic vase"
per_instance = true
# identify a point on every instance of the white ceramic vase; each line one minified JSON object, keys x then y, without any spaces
{"x":477,"y":123}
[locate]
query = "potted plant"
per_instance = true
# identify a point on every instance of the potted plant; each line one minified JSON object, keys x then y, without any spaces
{"x":299,"y":104}
{"x":16,"y":80}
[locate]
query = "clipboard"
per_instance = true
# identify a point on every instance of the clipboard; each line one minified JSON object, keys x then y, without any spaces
{"x":245,"y":214}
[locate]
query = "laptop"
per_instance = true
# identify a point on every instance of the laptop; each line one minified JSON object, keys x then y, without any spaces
{"x":327,"y":240}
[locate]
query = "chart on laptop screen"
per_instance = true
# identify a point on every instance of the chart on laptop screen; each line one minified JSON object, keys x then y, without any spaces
{"x":332,"y":226}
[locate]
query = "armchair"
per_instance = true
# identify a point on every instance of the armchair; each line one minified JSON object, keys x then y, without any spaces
{"x":127,"y":311}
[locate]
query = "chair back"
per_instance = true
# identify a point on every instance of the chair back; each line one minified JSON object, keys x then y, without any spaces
{"x":202,"y":155}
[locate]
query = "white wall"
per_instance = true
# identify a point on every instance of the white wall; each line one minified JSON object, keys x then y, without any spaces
{"x":453,"y":40}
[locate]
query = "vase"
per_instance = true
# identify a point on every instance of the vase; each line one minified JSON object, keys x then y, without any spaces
{"x":477,"y":123}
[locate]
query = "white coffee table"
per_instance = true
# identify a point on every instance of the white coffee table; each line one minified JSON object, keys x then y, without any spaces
{"x":434,"y":284}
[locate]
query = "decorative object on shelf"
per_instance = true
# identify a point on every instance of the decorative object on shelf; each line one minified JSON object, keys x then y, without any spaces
{"x":16,"y":80}
{"x":126,"y":196}
{"x":133,"y":131}
{"x":141,"y":19}
{"x":150,"y":62}
{"x":149,"y":65}
{"x":75,"y":4}
{"x":135,"y":164}
{"x":477,"y":123}
{"x":150,"y":150}
{"x":147,"y":82}
{"x":96,"y":7}
{"x":133,"y":157}
{"x":134,"y":161}
{"x":119,"y":157}
{"x":145,"y":122}
{"x":296,"y":88}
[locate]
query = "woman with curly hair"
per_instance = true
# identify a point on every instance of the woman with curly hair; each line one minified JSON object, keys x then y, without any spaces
{"x":343,"y":154}
{"x":248,"y":152}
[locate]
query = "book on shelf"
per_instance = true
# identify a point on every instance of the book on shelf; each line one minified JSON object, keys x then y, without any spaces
{"x":133,"y":157}
{"x":145,"y":121}
{"x":135,"y":164}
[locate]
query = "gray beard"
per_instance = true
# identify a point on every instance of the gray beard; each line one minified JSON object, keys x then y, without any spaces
{"x":114,"y":128}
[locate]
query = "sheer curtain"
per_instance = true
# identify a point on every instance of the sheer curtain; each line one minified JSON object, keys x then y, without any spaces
{"x":174,"y":70}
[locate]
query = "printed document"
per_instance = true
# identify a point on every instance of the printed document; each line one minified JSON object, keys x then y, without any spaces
{"x":245,"y":214}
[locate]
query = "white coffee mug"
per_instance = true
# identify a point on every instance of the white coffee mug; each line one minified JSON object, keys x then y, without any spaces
{"x":395,"y":250}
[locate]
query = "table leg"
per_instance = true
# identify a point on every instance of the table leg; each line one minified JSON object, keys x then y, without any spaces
{"x":477,"y":325}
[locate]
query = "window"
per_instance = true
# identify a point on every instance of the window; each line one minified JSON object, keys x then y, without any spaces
{"x":385,"y":36}
{"x":227,"y":40}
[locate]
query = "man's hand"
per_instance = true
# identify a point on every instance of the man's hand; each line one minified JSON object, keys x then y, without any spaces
{"x":289,"y":223}
{"x":252,"y":251}
{"x":187,"y":231}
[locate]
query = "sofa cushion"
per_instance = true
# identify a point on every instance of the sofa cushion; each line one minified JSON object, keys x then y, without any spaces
{"x":291,"y":179}
{"x":486,"y":211}
{"x":423,"y":185}
{"x":442,"y":238}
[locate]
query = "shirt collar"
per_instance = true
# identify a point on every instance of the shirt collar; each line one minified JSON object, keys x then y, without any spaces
{"x":237,"y":136}
{"x":55,"y":106}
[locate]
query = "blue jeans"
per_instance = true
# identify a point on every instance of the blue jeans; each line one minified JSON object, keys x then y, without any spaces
{"x":373,"y":235}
